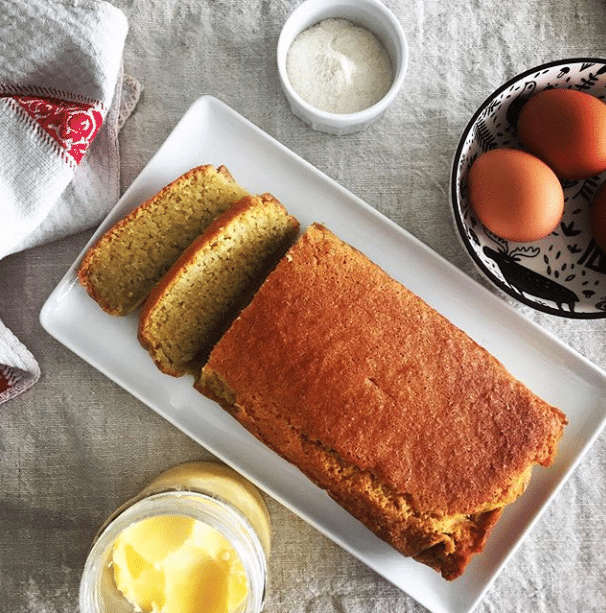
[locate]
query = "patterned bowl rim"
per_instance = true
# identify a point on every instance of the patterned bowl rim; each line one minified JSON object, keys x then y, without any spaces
{"x":454,"y":198}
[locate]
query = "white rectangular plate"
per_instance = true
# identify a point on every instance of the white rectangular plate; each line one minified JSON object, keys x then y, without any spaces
{"x":212,"y":133}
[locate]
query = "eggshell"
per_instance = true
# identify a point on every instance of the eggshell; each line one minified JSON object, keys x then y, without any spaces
{"x":566,"y":128}
{"x":515,"y":195}
{"x":598,"y":217}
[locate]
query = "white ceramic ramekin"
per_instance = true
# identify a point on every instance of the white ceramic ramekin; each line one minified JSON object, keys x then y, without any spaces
{"x":369,"y":14}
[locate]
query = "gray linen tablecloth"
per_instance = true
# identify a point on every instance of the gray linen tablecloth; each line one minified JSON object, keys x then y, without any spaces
{"x":76,"y":445}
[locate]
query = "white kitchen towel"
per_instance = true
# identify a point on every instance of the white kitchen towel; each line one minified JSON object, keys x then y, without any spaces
{"x":62,"y":102}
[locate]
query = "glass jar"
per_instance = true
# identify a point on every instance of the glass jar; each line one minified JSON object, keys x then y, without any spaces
{"x":205,"y":491}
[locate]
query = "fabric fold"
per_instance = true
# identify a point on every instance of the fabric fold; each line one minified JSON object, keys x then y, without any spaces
{"x":63,"y":100}
{"x":61,"y":90}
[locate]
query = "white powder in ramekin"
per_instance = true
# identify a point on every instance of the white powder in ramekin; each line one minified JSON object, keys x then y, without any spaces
{"x":339,"y":67}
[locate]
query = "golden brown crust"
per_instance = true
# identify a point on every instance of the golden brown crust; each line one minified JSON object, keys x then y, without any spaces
{"x":406,"y":421}
{"x":452,"y":564}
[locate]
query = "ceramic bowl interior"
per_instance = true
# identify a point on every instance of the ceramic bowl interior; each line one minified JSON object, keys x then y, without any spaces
{"x":565,"y":273}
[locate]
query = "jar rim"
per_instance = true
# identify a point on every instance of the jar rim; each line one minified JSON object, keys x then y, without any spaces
{"x":209,"y":509}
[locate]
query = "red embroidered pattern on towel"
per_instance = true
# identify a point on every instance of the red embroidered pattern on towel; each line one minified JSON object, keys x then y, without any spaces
{"x":11,"y":382}
{"x":5,"y":381}
{"x":72,"y":125}
{"x":14,"y":381}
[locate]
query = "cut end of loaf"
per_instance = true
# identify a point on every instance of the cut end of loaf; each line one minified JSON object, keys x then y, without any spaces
{"x":211,"y":282}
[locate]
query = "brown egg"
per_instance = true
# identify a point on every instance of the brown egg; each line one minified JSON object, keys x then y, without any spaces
{"x":566,"y":128}
{"x":515,"y":195}
{"x":598,"y":217}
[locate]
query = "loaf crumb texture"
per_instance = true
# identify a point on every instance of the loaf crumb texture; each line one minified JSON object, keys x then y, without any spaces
{"x":121,"y":268}
{"x":186,"y":312}
{"x":406,"y":421}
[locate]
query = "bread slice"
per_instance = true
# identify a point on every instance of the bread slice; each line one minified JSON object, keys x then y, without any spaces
{"x":406,"y":421}
{"x":192,"y":305}
{"x":132,"y":256}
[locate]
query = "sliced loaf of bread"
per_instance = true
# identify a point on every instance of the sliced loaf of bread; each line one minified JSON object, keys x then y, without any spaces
{"x":120,"y":269}
{"x":399,"y":415}
{"x":187,"y":311}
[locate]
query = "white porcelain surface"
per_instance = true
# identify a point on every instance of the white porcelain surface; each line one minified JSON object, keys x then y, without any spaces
{"x":372,"y":15}
{"x":563,"y":274}
{"x":210,"y":132}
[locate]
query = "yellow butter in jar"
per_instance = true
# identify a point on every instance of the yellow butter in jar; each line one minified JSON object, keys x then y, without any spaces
{"x":196,"y":540}
{"x":175,"y":564}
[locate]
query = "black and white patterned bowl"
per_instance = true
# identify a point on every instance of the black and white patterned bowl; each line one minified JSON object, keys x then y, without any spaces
{"x":565,"y":273}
